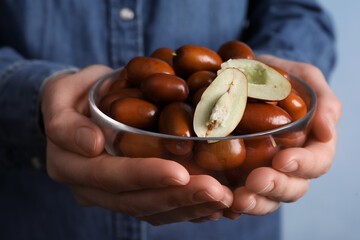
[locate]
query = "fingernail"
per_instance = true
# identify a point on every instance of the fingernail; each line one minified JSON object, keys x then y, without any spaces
{"x":268,"y":188}
{"x":218,"y":205}
{"x":170,"y":181}
{"x":215,"y":216}
{"x":86,"y":139}
{"x":248,"y":209}
{"x":330,"y":124}
{"x":292,"y":166}
{"x":251,"y":206}
{"x":202,"y":196}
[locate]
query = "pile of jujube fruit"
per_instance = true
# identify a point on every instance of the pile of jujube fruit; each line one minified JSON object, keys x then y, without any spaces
{"x":160,"y":93}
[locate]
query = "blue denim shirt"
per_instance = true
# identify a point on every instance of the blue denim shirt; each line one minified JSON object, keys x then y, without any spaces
{"x":41,"y":37}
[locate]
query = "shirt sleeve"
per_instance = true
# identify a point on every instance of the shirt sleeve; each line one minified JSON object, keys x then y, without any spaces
{"x":298,"y":30}
{"x":22,"y":142}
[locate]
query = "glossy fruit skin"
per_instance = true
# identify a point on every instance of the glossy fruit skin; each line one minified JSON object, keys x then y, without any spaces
{"x":235,"y":49}
{"x":259,"y":153}
{"x":221,"y":155}
{"x":165,"y":54}
{"x":294,"y":105}
{"x":121,"y":83}
{"x":140,"y":146}
{"x":161,"y":88}
{"x":176,"y":119}
{"x":282,"y":72}
{"x":200,"y":79}
{"x":197,"y":96}
{"x":139,"y":68}
{"x":134,"y":112}
{"x":118,"y":94}
{"x":192,"y":58}
{"x":259,"y":117}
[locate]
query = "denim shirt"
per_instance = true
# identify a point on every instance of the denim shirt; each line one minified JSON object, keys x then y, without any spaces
{"x":39,"y":38}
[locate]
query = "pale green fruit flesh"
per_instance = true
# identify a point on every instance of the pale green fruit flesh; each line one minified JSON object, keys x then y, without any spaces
{"x":222,"y":104}
{"x":264,"y":82}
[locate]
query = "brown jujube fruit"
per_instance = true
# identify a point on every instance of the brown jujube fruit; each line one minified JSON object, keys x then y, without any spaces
{"x":259,"y":153}
{"x":134,"y":112}
{"x":221,"y":155}
{"x":176,"y":119}
{"x":192,"y":58}
{"x":123,"y":73}
{"x":121,"y":83}
{"x":119,"y":94}
{"x":139,"y":68}
{"x":197,"y":96}
{"x":294,"y":105}
{"x":165,"y":54}
{"x":291,"y":139}
{"x":259,"y":117}
{"x":235,"y":49}
{"x":199,"y":80}
{"x":141,"y":146}
{"x":282,"y":72}
{"x":161,"y":88}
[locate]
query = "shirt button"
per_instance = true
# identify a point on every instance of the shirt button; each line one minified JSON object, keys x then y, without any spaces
{"x":36,"y":163}
{"x":126,"y":14}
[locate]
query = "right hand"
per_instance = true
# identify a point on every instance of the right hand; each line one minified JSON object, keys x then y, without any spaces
{"x":151,"y":189}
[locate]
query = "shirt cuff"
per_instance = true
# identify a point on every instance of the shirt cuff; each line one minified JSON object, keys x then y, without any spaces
{"x":22,"y":143}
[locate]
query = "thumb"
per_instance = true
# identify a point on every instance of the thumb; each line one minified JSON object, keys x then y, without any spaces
{"x":65,"y":111}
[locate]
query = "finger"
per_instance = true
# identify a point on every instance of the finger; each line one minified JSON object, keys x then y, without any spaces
{"x":65,"y":111}
{"x":326,"y":116}
{"x":312,"y":161}
{"x":272,"y":184}
{"x":162,"y":202}
{"x":213,"y":217}
{"x":200,"y":212}
{"x":228,"y":213}
{"x":113,"y":174}
{"x":248,"y":202}
{"x":75,"y":132}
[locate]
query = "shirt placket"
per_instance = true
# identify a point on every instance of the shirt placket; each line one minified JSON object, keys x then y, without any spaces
{"x":125,"y":33}
{"x":125,"y":36}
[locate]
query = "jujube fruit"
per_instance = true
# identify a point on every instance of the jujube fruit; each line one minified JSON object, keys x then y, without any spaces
{"x":192,"y":58}
{"x":176,"y":119}
{"x":165,"y":54}
{"x":259,"y":153}
{"x":121,"y":93}
{"x":199,"y":80}
{"x":139,"y":68}
{"x":161,"y":88}
{"x":294,"y":105}
{"x":141,"y":146}
{"x":119,"y":84}
{"x":259,"y":117}
{"x":221,"y":155}
{"x":134,"y":112}
{"x":235,"y":49}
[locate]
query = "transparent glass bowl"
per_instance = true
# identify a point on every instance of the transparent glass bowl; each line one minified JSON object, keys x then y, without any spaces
{"x":191,"y":152}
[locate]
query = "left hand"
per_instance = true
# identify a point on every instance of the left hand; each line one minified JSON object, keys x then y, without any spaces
{"x":292,"y":168}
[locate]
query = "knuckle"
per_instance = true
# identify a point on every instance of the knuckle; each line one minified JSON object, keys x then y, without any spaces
{"x":53,"y":124}
{"x":99,"y":68}
{"x":54,"y":174}
{"x":81,"y":201}
{"x":97,"y":176}
{"x":324,"y":171}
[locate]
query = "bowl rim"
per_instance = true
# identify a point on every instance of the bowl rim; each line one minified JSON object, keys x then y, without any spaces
{"x":123,"y":127}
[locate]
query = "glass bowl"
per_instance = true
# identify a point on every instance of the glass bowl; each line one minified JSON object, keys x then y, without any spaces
{"x":211,"y":156}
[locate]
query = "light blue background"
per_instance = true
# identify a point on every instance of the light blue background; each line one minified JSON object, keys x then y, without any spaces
{"x":331,"y":208}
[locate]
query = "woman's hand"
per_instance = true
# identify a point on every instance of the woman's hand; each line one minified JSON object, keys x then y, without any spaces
{"x":292,"y":168}
{"x":151,"y":189}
